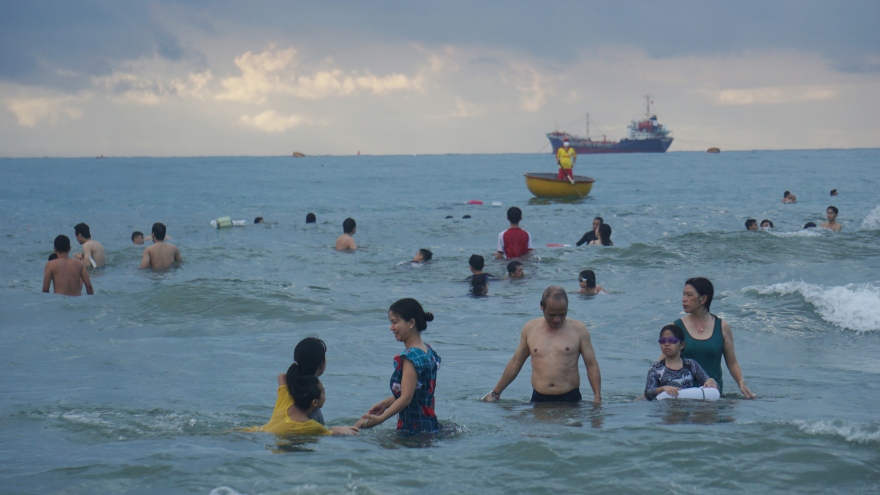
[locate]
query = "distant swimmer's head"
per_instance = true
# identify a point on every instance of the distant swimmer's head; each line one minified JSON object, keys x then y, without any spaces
{"x":786,"y":194}
{"x":605,"y":234}
{"x":53,"y":256}
{"x":766,"y":224}
{"x":82,"y":232}
{"x":671,"y":340}
{"x":406,"y":316}
{"x":597,"y":222}
{"x":306,"y":390}
{"x":349,"y":226}
{"x":514,"y":214}
{"x":476,"y":262}
{"x":809,"y":225}
{"x":258,"y":220}
{"x":698,"y":293}
{"x":515,"y":270}
{"x":448,"y":217}
{"x":554,"y":304}
{"x":834,"y":192}
{"x":62,"y":244}
{"x":311,"y":354}
{"x":158,"y":231}
{"x":751,"y":224}
{"x":137,"y":237}
{"x":311,"y":218}
{"x":480,"y":285}
{"x":588,"y":278}
{"x":831,"y":213}
{"x":465,"y":217}
{"x":423,"y":255}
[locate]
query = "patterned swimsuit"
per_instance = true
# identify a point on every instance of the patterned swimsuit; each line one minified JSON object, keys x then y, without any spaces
{"x":418,"y":416}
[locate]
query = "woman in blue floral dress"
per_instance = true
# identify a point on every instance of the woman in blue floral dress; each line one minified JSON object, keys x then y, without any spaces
{"x":414,"y":376}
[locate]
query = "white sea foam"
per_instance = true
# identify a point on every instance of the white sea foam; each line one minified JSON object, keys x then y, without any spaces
{"x":854,"y":306}
{"x":861,"y":433}
{"x":224,"y":490}
{"x":872,"y":221}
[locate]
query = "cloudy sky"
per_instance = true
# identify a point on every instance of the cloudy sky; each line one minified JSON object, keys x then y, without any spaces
{"x":182,"y":78}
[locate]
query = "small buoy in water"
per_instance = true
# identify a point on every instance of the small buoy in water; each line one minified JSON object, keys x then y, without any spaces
{"x":713,"y":150}
{"x":558,"y":245}
{"x":496,"y":203}
{"x":475,"y":202}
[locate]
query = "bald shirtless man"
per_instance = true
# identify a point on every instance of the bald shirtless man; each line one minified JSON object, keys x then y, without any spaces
{"x":161,"y":254}
{"x":93,"y":252}
{"x":554,"y":343}
{"x":66,"y":274}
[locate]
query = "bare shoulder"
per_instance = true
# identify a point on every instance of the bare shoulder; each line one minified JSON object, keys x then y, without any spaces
{"x":725,"y":329}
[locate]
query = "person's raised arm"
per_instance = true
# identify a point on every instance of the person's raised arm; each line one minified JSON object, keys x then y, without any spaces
{"x":732,"y":363}
{"x":408,"y":381}
{"x":86,"y":281}
{"x":145,"y":262}
{"x":593,"y":373}
{"x":47,"y":278}
{"x":512,"y":369}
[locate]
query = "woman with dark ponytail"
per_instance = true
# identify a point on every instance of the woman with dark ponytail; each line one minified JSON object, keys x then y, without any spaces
{"x":414,"y":377}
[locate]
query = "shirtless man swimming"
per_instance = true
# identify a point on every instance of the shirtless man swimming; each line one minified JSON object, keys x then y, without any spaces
{"x":554,"y":343}
{"x":831,"y":215}
{"x":346,"y":241}
{"x":161,"y":254}
{"x":93,"y":252}
{"x":66,"y":274}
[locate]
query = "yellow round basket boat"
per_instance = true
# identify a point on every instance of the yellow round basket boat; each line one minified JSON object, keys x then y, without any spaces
{"x":546,"y":185}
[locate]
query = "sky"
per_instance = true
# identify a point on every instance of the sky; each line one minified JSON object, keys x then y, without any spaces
{"x":269,"y":78}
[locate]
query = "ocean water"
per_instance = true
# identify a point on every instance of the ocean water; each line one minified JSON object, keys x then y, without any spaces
{"x":143,"y":387}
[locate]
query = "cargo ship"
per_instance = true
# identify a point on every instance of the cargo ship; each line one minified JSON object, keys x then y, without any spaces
{"x":644,"y":136}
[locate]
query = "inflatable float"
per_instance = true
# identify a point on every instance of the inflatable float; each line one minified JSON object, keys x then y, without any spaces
{"x":698,"y":393}
{"x":224,"y":222}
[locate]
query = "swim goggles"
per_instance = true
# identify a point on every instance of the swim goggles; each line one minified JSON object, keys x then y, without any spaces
{"x":668,"y":340}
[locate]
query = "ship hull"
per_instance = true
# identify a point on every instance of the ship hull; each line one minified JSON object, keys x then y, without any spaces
{"x":585,"y":147}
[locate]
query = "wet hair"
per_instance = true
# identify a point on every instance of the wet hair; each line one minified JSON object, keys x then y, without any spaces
{"x":62,"y":244}
{"x":303,"y":388}
{"x":465,"y":217}
{"x":703,"y":287}
{"x":832,"y":208}
{"x":53,"y":256}
{"x":83,"y":230}
{"x":786,"y":194}
{"x":600,"y":220}
{"x":258,"y":220}
{"x":476,"y":262}
{"x":310,"y":353}
{"x":605,"y":234}
{"x":311,"y":218}
{"x":478,"y":282}
{"x":589,"y":277}
{"x":677,"y":332}
{"x":410,"y":309}
{"x":750,"y":222}
{"x":834,"y":192}
{"x":136,"y":234}
{"x":766,"y":221}
{"x":158,"y":231}
{"x":448,"y":217}
{"x":511,"y":267}
{"x":348,"y":225}
{"x":426,"y":254}
{"x":554,"y":293}
{"x":514,"y":214}
{"x":809,"y":225}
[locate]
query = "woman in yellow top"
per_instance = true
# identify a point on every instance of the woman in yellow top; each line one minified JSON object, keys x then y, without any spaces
{"x":566,"y":157}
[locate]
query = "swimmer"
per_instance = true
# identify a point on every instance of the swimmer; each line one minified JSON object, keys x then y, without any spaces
{"x":53,"y":256}
{"x":587,"y":281}
{"x":66,"y":275}
{"x":515,"y":270}
{"x":422,"y":256}
{"x":514,"y":242}
{"x":672,"y":373}
{"x":788,"y":197}
{"x":809,"y":225}
{"x":476,"y":264}
{"x":766,"y":224}
{"x":604,"y":233}
{"x":751,"y":224}
{"x":831,"y":215}
{"x":93,"y":251}
{"x":161,"y":254}
{"x":258,"y":220}
{"x":554,"y":343}
{"x":311,"y":218}
{"x":346,"y":241}
{"x":593,"y":234}
{"x":137,"y":237}
{"x":834,"y":192}
{"x":480,"y":285}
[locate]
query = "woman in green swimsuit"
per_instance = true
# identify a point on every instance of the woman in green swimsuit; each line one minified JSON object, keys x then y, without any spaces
{"x":706,"y":336}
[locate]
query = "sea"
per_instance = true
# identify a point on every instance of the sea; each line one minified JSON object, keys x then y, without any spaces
{"x":145,"y":387}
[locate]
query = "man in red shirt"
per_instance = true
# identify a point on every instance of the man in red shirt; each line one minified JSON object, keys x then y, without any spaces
{"x":514,"y":242}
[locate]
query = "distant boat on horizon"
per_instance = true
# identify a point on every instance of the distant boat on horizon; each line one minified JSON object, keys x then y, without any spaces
{"x":643,"y":136}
